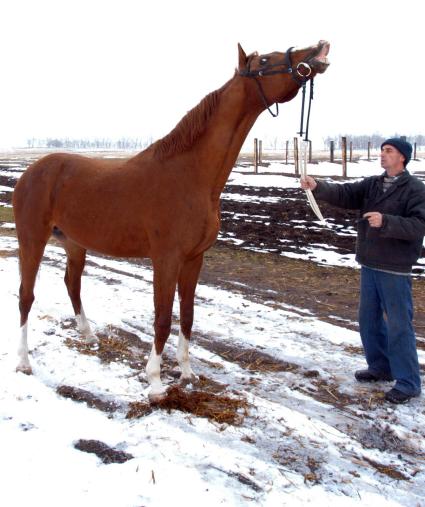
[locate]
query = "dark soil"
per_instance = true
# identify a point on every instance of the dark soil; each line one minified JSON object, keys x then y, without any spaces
{"x":92,"y":401}
{"x":104,"y":452}
{"x":288,"y":225}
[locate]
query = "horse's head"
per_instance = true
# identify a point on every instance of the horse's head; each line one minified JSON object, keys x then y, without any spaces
{"x":280,"y":75}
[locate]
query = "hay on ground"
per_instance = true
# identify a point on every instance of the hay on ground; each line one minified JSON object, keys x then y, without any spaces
{"x":217,"y":408}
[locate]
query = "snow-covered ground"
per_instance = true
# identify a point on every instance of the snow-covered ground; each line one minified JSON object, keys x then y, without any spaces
{"x":293,"y":447}
{"x":302,"y":441}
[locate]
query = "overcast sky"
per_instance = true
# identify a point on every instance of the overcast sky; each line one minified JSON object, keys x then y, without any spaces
{"x":112,"y":68}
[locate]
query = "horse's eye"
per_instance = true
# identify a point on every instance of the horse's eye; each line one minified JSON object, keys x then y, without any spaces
{"x":263,"y":60}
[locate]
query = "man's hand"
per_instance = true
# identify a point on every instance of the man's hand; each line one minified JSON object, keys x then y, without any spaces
{"x":374,"y":218}
{"x":308,"y":183}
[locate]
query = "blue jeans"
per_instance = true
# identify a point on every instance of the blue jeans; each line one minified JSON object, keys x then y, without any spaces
{"x":386,"y":328}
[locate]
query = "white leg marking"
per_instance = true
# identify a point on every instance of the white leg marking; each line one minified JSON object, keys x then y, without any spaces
{"x":24,"y":362}
{"x":153,"y":372}
{"x":84,"y":327}
{"x":183,"y":358}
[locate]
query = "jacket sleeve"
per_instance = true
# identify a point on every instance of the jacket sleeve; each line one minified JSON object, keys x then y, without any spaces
{"x":347,"y":195}
{"x":409,"y":227}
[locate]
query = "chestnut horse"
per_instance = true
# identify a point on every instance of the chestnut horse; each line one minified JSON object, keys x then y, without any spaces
{"x":163,"y":203}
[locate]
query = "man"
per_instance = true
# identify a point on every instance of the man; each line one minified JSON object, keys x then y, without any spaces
{"x":390,"y":234}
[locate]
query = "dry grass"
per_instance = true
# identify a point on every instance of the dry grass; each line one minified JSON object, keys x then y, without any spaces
{"x":216,"y":408}
{"x":248,"y":358}
{"x":116,"y":345}
{"x":389,"y":470}
{"x":6,"y":214}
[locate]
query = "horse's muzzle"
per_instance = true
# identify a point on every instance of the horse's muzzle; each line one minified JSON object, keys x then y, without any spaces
{"x":319,"y":61}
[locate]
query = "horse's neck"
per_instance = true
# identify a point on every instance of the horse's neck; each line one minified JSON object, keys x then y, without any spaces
{"x":227,"y":130}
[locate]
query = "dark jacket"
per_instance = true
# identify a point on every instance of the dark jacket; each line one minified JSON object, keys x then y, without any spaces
{"x":397,"y":245}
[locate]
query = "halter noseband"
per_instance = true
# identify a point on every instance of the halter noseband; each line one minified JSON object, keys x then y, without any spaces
{"x":268,"y":70}
{"x":300,"y":75}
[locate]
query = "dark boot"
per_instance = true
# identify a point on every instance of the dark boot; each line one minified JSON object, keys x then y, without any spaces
{"x":396,"y":396}
{"x":368,"y":376}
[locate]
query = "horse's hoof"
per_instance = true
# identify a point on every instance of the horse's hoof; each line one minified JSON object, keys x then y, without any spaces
{"x":90,"y":339}
{"x":185,"y":381}
{"x":155,"y":398}
{"x":26,"y":370}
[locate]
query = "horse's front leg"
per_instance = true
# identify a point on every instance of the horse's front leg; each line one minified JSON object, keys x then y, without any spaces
{"x":188,"y":279}
{"x":164,"y":281}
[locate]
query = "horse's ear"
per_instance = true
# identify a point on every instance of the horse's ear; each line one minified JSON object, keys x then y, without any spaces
{"x":242,"y":58}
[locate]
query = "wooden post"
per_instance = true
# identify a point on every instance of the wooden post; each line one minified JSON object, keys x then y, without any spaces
{"x":351,"y":151}
{"x":368,"y":151}
{"x":344,"y":156}
{"x":310,"y":152}
{"x":414,"y":151}
{"x":286,"y":152}
{"x":297,"y":172}
{"x":256,"y":156}
{"x":260,"y":152}
{"x":332,"y":147}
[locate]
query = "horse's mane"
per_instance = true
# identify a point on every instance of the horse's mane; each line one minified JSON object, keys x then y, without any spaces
{"x":189,"y":128}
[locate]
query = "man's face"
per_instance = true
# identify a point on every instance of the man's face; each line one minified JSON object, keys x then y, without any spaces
{"x":391,"y":158}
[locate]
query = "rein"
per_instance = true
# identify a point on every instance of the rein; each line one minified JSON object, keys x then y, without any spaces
{"x":300,"y":75}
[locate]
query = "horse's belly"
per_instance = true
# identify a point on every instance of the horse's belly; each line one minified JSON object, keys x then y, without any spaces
{"x":114,"y":243}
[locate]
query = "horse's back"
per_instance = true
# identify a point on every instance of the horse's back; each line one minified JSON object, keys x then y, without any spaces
{"x":46,"y":174}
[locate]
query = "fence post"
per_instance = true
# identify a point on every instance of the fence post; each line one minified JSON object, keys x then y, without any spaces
{"x":414,"y":151}
{"x":332,"y":148}
{"x":286,"y":152}
{"x":368,"y":151}
{"x":297,"y":172}
{"x":351,"y":151}
{"x":260,"y":152}
{"x":256,"y":156}
{"x":344,"y":156}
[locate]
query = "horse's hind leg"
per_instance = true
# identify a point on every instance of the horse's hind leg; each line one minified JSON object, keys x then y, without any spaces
{"x":76,"y":259}
{"x":30,"y":255}
{"x":188,"y":279}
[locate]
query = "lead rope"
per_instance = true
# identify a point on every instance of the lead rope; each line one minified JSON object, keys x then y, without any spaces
{"x":309,"y":109}
{"x":301,"y":132}
{"x":304,"y":147}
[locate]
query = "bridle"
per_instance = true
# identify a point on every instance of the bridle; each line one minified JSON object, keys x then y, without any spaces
{"x":300,"y":75}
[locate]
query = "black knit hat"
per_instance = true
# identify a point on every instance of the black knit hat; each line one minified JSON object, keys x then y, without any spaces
{"x":402,"y":146}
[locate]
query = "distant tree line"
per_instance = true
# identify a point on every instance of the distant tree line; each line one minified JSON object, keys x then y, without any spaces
{"x":124,"y":143}
{"x":360,"y":142}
